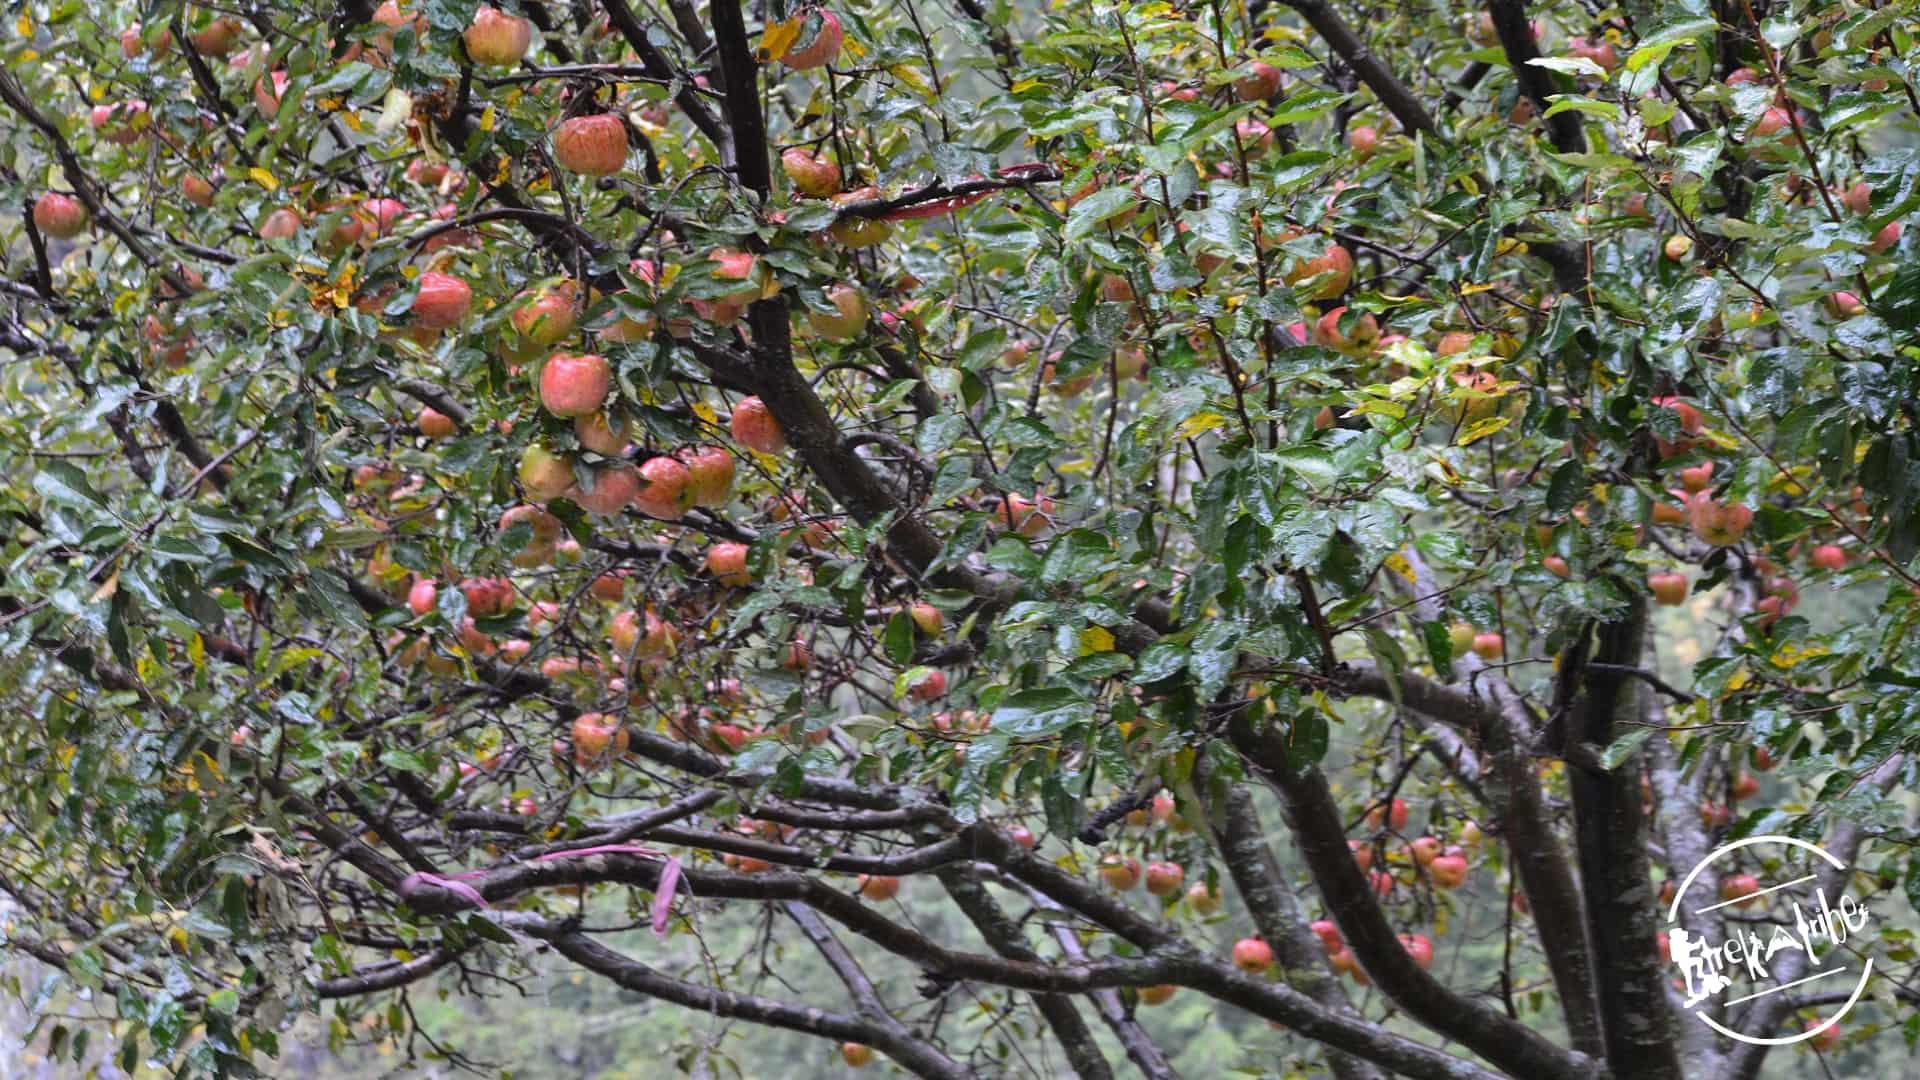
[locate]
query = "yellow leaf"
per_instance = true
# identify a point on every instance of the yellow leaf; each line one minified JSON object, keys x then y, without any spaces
{"x":263,"y":178}
{"x":1376,"y":405}
{"x":1199,"y":423}
{"x":23,"y":26}
{"x":1739,"y":680}
{"x":1025,"y":84}
{"x":197,"y":651}
{"x":906,"y":74}
{"x":1095,"y":639}
{"x":107,"y":588}
{"x":779,"y":37}
{"x":1792,"y":654}
{"x":489,"y":118}
{"x":1483,"y":429}
{"x":1469,"y":290}
{"x":705,"y":412}
{"x":1398,"y":563}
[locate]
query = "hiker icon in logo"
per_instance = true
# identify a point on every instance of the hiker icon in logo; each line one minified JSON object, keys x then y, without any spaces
{"x":1812,"y":915}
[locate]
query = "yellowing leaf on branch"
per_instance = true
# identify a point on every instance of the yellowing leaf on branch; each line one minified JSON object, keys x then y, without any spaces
{"x":1398,"y":563}
{"x":1095,"y":639}
{"x":264,"y":178}
{"x":779,"y":37}
{"x":1200,"y":423}
{"x":1482,"y":429}
{"x":906,"y":74}
{"x":1793,"y":653}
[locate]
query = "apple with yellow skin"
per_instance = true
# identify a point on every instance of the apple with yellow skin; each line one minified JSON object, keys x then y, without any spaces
{"x":1119,"y":872}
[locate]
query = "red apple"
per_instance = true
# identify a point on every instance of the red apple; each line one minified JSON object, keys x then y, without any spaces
{"x":497,"y":39}
{"x":280,"y":225}
{"x":1252,"y":955}
{"x":197,"y":189}
{"x":1361,"y":141}
{"x":1258,"y":82}
{"x":59,"y":215}
{"x":727,"y":562}
{"x":1333,"y":270}
{"x":754,"y":427}
{"x":1717,"y":523}
{"x":1329,"y":934}
{"x":1830,"y":557}
{"x":434,"y":424}
{"x":665,"y":489}
{"x":613,"y":489}
{"x":546,"y":317}
{"x":1418,"y":947}
{"x":1668,"y":589}
{"x":856,"y":1054}
{"x":1392,"y":814}
{"x":879,"y":887}
{"x":1448,"y":871}
{"x":1735,"y":886}
{"x":1203,"y":900}
{"x":811,"y":174}
{"x":573,"y":384}
{"x":710,"y":475}
{"x":1120,"y":873}
{"x":1164,"y":879}
{"x":443,"y":300}
{"x":819,"y":41}
{"x":594,"y":145}
{"x":931,"y":687}
{"x":420,"y":598}
{"x":598,"y":739}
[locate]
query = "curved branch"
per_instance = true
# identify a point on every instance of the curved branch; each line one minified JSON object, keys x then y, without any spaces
{"x":1003,"y":936}
{"x":1321,"y":836}
{"x":915,"y":1054}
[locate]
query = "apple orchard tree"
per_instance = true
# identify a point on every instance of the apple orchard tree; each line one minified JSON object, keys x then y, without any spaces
{"x":485,"y":488}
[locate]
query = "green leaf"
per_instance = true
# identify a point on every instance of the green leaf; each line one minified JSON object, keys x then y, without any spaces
{"x":898,"y":638}
{"x":1568,"y":486}
{"x":1089,"y":213}
{"x":1623,"y":748}
{"x":1031,"y":714}
{"x":63,"y":482}
{"x":1655,"y":46}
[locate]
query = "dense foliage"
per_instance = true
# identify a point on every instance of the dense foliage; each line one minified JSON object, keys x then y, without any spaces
{"x":489,"y":490}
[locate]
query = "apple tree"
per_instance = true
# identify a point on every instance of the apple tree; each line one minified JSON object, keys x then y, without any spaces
{"x":1230,"y":501}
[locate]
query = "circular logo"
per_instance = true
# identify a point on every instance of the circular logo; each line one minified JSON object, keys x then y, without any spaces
{"x":1783,"y":936}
